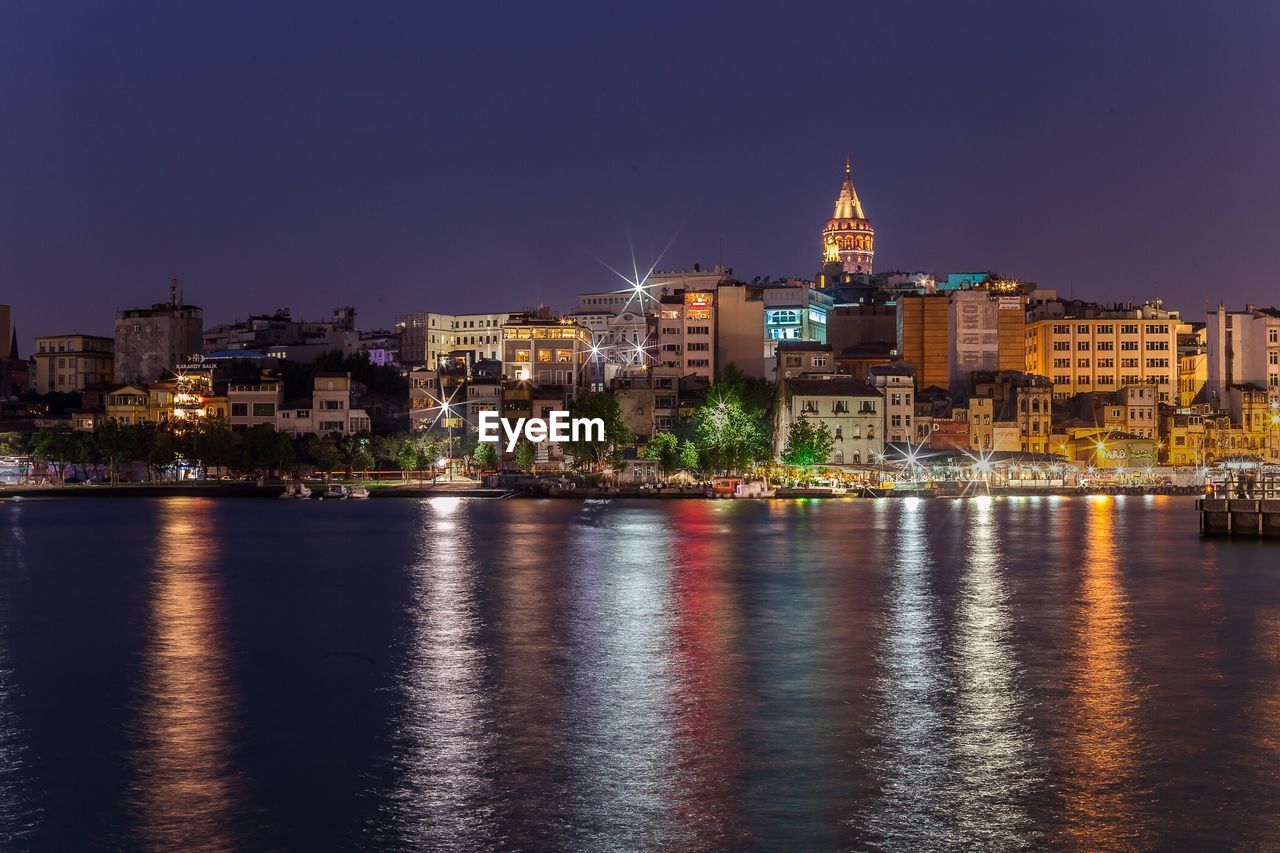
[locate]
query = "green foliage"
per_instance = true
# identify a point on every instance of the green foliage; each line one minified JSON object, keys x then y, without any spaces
{"x":485,"y":456}
{"x":729,"y":437}
{"x":354,"y":453}
{"x":807,"y":444}
{"x":664,"y":448}
{"x":599,"y":404}
{"x":407,"y":455}
{"x":688,"y":455}
{"x":524,"y":456}
{"x":322,"y":452}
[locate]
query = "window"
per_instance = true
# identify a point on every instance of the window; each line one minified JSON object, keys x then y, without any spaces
{"x":1128,"y":328}
{"x":896,"y":420}
{"x":840,"y":407}
{"x":1062,"y":346}
{"x":1273,"y":336}
{"x":699,"y":330}
{"x":239,"y":410}
{"x":839,"y":433}
{"x":819,"y":361}
{"x":1061,"y":329}
{"x":1157,"y":346}
{"x":1105,"y":329}
{"x":264,"y":410}
{"x":896,"y":399}
{"x":1106,"y":346}
{"x":1082,"y":362}
{"x":1082,"y":345}
{"x":809,"y":406}
{"x":699,"y":347}
{"x":1062,"y":362}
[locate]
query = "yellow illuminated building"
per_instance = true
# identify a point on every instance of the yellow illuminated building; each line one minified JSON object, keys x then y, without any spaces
{"x":924,"y":323}
{"x":1105,"y":354}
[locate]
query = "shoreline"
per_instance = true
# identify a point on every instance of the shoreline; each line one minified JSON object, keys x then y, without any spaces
{"x":273,"y":492}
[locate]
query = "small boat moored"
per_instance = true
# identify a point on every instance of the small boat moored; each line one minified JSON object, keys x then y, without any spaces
{"x":358,"y":493}
{"x":295,"y":491}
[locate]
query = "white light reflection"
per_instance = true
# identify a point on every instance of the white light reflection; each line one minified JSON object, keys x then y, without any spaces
{"x":992,"y":743}
{"x":622,"y":744}
{"x":911,"y":728}
{"x":440,"y":802}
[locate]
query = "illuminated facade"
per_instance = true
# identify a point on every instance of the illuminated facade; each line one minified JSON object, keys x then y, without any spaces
{"x":1106,"y":351}
{"x":687,"y":333}
{"x":1243,"y":347}
{"x":546,"y":351}
{"x":851,"y":410}
{"x":428,"y":336}
{"x":848,"y":240}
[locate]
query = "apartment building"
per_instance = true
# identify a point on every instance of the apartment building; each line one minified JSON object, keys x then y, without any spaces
{"x":65,"y":364}
{"x":852,"y":411}
{"x":1090,"y":348}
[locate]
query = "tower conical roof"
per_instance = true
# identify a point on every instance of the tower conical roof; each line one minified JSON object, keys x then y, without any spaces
{"x":848,"y":206}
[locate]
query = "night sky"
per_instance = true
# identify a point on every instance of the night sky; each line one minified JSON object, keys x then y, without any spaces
{"x":475,"y":156}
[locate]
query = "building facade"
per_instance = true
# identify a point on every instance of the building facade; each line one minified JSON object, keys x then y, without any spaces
{"x":851,"y":410}
{"x":151,"y":342}
{"x":65,"y":364}
{"x":1106,"y":349}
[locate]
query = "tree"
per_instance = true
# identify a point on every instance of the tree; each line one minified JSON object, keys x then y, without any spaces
{"x":162,"y":454}
{"x":213,"y":443}
{"x":485,"y":456}
{"x":322,"y":452}
{"x":664,"y":448}
{"x":116,"y":442}
{"x":729,"y":437}
{"x":688,"y":455}
{"x":407,"y":456}
{"x":525,"y":456}
{"x":807,"y":444}
{"x":604,"y":407}
{"x":353,"y":452}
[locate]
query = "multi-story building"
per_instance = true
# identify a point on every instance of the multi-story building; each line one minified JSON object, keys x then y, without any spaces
{"x":924,"y":337}
{"x":1021,"y":401}
{"x":547,"y":351}
{"x":796,"y":312}
{"x":986,"y":330}
{"x":328,"y":412}
{"x":427,"y":336}
{"x":1085,"y":348}
{"x":852,"y":411}
{"x":129,"y":404}
{"x":739,"y":324}
{"x":1193,"y":362}
{"x":622,"y":328}
{"x":188,"y":396}
{"x":255,"y":402}
{"x":151,"y":342}
{"x":65,"y":364}
{"x":991,"y":427}
{"x":1182,"y":436}
{"x":1243,"y":347}
{"x":687,"y":332}
{"x":648,"y":399}
{"x":897,"y":383}
{"x":798,"y":358}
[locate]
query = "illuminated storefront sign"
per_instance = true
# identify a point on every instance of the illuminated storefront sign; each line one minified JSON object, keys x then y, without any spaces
{"x":697,"y":300}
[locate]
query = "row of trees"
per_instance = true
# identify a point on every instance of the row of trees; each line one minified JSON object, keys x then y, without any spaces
{"x":203,"y":444}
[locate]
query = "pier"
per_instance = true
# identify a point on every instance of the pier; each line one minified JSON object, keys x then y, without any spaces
{"x":1248,"y":506}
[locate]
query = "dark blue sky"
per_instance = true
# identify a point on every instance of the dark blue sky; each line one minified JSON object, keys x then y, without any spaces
{"x":466,"y":156}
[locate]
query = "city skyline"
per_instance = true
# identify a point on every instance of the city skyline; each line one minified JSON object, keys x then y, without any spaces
{"x":240,"y":157}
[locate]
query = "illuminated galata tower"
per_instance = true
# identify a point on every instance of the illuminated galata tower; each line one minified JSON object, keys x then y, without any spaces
{"x":849,"y":238}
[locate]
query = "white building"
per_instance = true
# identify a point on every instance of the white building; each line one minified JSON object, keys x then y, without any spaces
{"x":852,"y":410}
{"x":329,"y":411}
{"x":898,"y":385}
{"x":1243,"y":348}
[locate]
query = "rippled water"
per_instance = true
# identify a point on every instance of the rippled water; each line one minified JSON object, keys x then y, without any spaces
{"x":453,"y":674}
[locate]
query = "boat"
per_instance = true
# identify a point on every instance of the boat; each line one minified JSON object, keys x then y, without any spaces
{"x":335,"y":493}
{"x":753,"y":489}
{"x":295,"y":491}
{"x":358,"y":493}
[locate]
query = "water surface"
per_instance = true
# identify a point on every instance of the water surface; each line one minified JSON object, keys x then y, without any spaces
{"x":465,"y":674}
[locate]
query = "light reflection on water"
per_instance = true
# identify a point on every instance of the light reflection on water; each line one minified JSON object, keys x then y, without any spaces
{"x":1100,"y":795}
{"x":440,"y":800}
{"x":185,"y":792}
{"x":892,"y":674}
